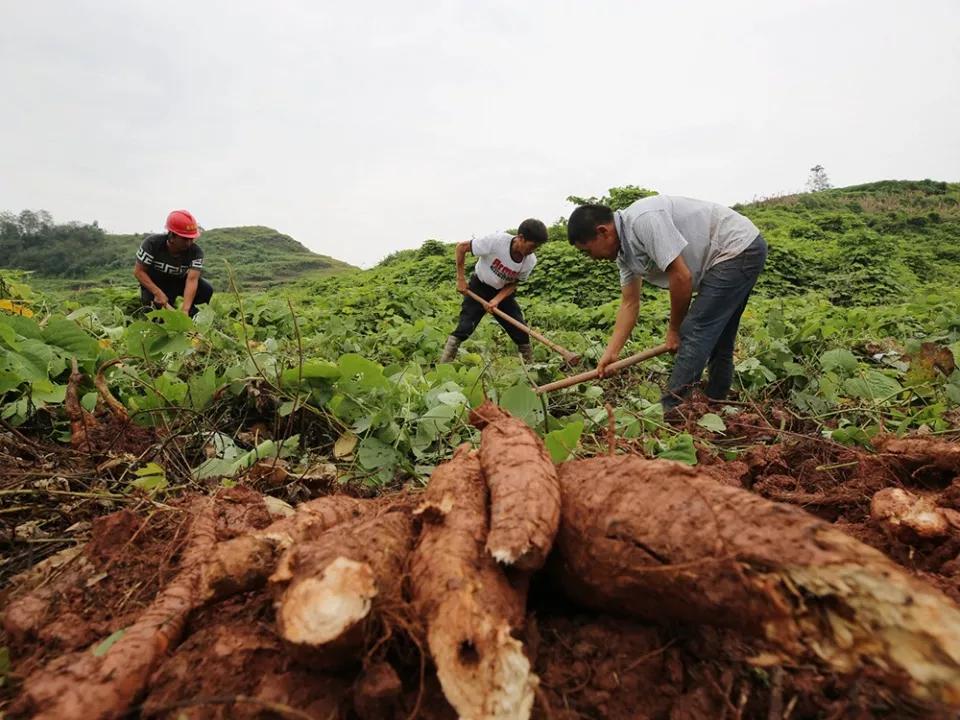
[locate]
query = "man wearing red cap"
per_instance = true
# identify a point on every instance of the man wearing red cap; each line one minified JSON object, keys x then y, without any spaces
{"x":169,"y":266}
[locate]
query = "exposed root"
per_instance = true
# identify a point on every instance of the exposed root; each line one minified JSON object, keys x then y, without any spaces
{"x":920,"y":453}
{"x":910,"y":518}
{"x":80,"y":420}
{"x":104,"y":685}
{"x":103,"y":390}
{"x":327,"y":588}
{"x":245,"y":562}
{"x":469,"y":607}
{"x":524,"y":494}
{"x":659,"y":540}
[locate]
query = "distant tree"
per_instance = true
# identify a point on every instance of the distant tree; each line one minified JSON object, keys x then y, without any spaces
{"x":431,"y":247}
{"x":818,"y":179}
{"x":617,"y":197}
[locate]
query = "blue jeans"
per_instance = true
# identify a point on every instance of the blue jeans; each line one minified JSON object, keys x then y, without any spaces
{"x":709,"y":332}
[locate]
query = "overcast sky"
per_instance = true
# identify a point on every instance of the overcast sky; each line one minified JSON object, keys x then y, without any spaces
{"x":366,"y":127}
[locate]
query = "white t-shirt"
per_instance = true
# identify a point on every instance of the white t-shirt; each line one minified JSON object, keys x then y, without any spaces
{"x":495,"y":267}
{"x":655,"y":230}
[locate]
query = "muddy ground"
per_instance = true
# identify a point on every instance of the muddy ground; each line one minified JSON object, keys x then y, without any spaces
{"x":231,"y":664}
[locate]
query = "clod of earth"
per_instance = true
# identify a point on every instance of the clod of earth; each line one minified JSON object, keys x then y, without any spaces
{"x":652,"y":539}
{"x":524,"y":493}
{"x":87,"y":685}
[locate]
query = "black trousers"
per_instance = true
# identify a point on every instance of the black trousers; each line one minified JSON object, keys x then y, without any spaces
{"x":173,"y":288}
{"x":471,"y":312}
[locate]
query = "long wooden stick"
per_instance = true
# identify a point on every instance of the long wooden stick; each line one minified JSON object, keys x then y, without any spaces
{"x":592,"y":374}
{"x":571,"y":358}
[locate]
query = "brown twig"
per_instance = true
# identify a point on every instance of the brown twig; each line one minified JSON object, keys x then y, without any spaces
{"x":776,"y":694}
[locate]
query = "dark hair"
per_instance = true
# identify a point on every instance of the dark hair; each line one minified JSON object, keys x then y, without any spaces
{"x":583,"y":222}
{"x":534,"y":231}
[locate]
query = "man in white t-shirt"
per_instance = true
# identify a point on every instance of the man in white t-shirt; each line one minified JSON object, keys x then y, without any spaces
{"x":505,"y":260}
{"x":686,"y":246}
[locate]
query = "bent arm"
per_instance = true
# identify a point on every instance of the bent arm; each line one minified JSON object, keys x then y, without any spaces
{"x":190,"y":289}
{"x":462,"y":249}
{"x":504,"y":293}
{"x":626,"y":320}
{"x":143,"y":277}
{"x":681,"y":289}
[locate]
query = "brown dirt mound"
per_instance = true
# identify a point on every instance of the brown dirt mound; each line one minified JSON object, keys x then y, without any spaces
{"x":231,"y":660}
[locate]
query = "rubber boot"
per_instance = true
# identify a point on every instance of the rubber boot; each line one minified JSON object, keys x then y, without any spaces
{"x":526,"y":352}
{"x":450,"y":349}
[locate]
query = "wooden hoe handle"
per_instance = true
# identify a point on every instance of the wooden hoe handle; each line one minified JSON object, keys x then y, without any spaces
{"x":593,"y":375}
{"x":571,"y":358}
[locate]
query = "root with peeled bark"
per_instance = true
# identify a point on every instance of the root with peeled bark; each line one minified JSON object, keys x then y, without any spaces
{"x":660,"y":541}
{"x":245,"y":562}
{"x":524,"y":492}
{"x":88,"y":685}
{"x":469,"y":607}
{"x":330,"y":589}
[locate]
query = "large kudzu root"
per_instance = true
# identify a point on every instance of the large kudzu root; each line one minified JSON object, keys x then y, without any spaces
{"x":524,"y":493}
{"x":658,"y":540}
{"x":245,"y":562}
{"x":469,"y":607}
{"x":84,"y":686}
{"x":328,"y":588}
{"x":920,"y":453}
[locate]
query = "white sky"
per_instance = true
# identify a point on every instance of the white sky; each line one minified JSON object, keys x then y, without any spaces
{"x":362,"y":128}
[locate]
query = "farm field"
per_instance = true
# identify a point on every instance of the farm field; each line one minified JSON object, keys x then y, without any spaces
{"x":184,"y":500}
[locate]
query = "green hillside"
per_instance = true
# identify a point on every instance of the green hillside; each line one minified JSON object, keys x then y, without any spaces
{"x":858,"y":245}
{"x":854,"y":330}
{"x":76,"y":255}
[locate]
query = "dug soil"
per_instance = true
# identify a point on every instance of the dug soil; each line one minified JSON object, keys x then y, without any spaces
{"x":230,"y":661}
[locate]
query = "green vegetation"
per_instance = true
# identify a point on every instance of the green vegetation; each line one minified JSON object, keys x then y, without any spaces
{"x":858,"y":279}
{"x":76,"y":256}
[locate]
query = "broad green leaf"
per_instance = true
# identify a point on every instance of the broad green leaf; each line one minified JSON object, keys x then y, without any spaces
{"x":522,"y":402}
{"x":9,"y":380}
{"x":311,"y":370}
{"x":44,"y":391}
{"x":23,"y":326}
{"x":839,"y":359}
{"x":456,"y":399}
{"x":8,"y":334}
{"x":173,"y":320}
{"x":850,"y":435}
{"x":202,"y":387}
{"x":30,"y":362}
{"x":874,"y":386}
{"x":368,"y":374}
{"x":151,"y":478}
{"x":375,"y":454}
{"x":215,"y":467}
{"x":561,"y":443}
{"x":712,"y":422}
{"x":953,"y":388}
{"x":169,"y":344}
{"x":68,"y":335}
{"x":680,"y":448}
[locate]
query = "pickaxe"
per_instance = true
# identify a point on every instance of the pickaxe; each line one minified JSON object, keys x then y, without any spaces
{"x":593,"y":374}
{"x":571,"y":358}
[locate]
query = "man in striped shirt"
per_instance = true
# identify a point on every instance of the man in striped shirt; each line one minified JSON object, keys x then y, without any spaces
{"x":169,"y":266}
